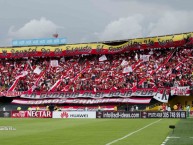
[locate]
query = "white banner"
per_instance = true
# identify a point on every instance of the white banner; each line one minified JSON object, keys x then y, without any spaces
{"x":127,"y":69}
{"x":54,"y":63}
{"x":82,"y":101}
{"x":136,"y":57}
{"x":125,"y":93}
{"x":124,"y":63}
{"x":180,"y":91}
{"x":162,"y":97}
{"x":103,"y":58}
{"x":37,"y":70}
{"x":74,"y":114}
{"x":144,"y":57}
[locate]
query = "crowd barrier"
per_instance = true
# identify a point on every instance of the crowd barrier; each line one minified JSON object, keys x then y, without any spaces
{"x":94,"y":114}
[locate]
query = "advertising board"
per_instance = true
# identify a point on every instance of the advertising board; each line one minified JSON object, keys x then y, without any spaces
{"x":31,"y":114}
{"x":166,"y":114}
{"x":119,"y":114}
{"x":43,"y":41}
{"x":142,"y":114}
{"x":74,"y":114}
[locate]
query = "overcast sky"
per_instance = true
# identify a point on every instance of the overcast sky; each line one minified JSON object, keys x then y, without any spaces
{"x":93,"y":20}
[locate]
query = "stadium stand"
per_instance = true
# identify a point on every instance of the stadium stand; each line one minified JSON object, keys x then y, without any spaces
{"x":142,"y":71}
{"x":164,"y":68}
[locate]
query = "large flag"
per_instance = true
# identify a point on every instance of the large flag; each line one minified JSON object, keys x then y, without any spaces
{"x":103,"y":58}
{"x":23,"y":73}
{"x":180,"y":91}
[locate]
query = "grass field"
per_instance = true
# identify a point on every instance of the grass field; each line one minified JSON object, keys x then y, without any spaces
{"x":183,"y":134}
{"x":96,"y":132}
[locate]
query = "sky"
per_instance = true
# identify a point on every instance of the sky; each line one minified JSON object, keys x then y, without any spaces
{"x":82,"y":21}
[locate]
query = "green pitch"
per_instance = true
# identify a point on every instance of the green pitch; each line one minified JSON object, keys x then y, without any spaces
{"x":95,"y":131}
{"x":183,"y":134}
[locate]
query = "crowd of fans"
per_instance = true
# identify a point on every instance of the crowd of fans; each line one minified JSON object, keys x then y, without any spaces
{"x":161,"y":68}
